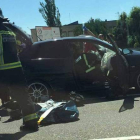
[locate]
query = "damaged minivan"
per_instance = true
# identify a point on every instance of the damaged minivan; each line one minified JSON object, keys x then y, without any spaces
{"x":51,"y":66}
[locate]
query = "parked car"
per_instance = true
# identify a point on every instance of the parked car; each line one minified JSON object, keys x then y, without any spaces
{"x":49,"y":66}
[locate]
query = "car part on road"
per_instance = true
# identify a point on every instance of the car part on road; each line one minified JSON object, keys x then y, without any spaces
{"x":38,"y":91}
{"x":77,"y":98}
{"x":57,"y":112}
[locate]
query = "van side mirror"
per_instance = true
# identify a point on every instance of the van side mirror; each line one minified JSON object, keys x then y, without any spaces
{"x":127,"y":51}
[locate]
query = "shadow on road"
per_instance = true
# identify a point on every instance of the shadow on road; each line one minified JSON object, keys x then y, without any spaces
{"x":127,"y":104}
{"x":11,"y":120}
{"x":47,"y":124}
{"x":3,"y":113}
{"x":15,"y":136}
{"x":128,"y":101}
{"x":95,"y":100}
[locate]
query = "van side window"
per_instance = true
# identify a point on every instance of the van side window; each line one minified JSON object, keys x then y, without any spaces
{"x":56,"y":49}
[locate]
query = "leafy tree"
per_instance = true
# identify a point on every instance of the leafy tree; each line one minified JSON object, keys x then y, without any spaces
{"x":78,"y":30}
{"x":50,"y":13}
{"x":121,"y":31}
{"x":95,"y":26}
{"x":134,"y":26}
{"x":127,"y":31}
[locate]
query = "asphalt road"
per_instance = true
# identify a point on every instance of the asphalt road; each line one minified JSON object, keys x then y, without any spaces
{"x":98,"y":118}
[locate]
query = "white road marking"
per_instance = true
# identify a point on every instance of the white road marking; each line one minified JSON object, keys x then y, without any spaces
{"x":121,"y":138}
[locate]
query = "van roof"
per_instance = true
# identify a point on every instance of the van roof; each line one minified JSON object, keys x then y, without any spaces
{"x":81,"y":37}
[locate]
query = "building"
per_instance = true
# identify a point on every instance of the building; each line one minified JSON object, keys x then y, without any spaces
{"x":68,"y":30}
{"x":34,"y":35}
{"x":111,"y":24}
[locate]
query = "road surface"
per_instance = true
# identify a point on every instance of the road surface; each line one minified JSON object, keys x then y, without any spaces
{"x":98,"y":119}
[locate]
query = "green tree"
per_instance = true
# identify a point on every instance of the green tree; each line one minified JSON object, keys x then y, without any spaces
{"x":134,"y":26}
{"x":127,"y":31}
{"x":78,"y":30}
{"x":121,"y":31}
{"x":50,"y":13}
{"x":95,"y":26}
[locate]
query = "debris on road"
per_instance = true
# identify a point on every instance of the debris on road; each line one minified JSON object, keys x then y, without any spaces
{"x":57,"y":112}
{"x":49,"y":112}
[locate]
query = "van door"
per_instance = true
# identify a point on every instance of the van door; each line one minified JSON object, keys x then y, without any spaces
{"x":122,"y":67}
{"x":53,"y":64}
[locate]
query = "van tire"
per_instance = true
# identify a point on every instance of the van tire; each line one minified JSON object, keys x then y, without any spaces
{"x":39,"y":91}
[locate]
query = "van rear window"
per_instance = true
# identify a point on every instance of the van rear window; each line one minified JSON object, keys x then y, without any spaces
{"x":56,"y":49}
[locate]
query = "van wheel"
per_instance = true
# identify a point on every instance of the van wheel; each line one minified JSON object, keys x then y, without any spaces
{"x":38,"y":91}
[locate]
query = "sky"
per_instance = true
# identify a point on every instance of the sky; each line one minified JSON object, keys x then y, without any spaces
{"x":25,"y":13}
